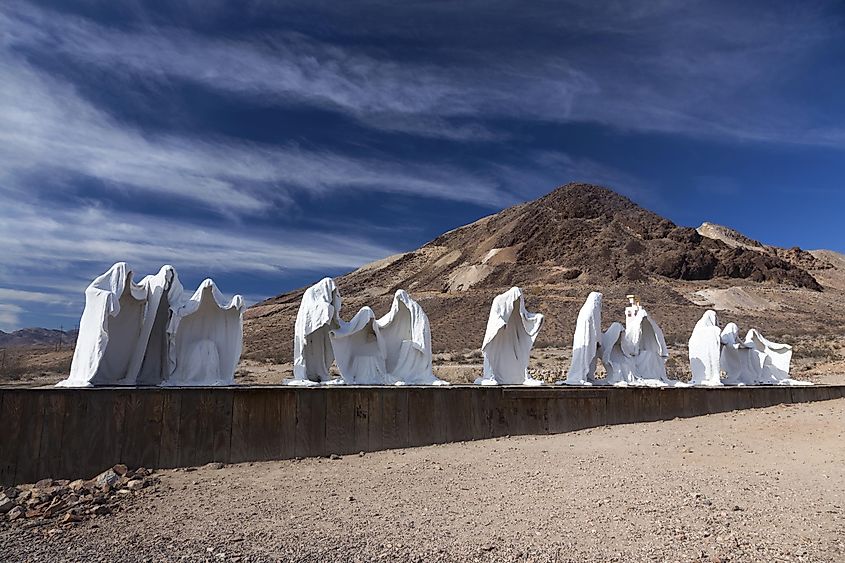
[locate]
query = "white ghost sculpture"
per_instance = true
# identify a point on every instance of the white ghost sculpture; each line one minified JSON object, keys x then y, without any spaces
{"x":205,"y":338}
{"x":359,"y":351}
{"x":741,"y":363}
{"x":705,"y":351}
{"x":318,"y":315}
{"x":122,"y":337}
{"x":644,"y":341}
{"x":636,"y":356}
{"x":616,"y":356}
{"x":510,"y":335}
{"x":774,"y":360}
{"x":406,"y":336}
{"x":586,"y":342}
{"x":151,"y":365}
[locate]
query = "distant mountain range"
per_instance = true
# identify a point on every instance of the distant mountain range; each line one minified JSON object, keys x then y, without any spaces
{"x":37,"y":337}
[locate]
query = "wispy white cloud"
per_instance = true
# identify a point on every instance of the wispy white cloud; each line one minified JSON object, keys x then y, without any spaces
{"x":674,"y":67}
{"x":45,"y":126}
{"x":35,"y":236}
{"x":25,"y":296}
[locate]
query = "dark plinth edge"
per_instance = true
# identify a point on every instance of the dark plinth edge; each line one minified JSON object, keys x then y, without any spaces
{"x":72,"y":433}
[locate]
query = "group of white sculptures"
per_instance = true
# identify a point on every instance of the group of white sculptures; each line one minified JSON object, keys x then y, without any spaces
{"x":634,"y":354}
{"x":153,"y":333}
{"x":396,"y":349}
{"x":392,"y":350}
{"x":752,"y":361}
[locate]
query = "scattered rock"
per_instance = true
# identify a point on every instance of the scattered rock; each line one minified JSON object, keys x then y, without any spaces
{"x":69,"y":517}
{"x":334,"y":456}
{"x":44,"y":483}
{"x":135,"y":485}
{"x":72,"y":501}
{"x":214,"y":465}
{"x":107,"y":479}
{"x":77,"y":485}
{"x":15,"y":513}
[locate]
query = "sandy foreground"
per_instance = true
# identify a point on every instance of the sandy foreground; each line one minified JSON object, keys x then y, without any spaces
{"x":756,"y":485}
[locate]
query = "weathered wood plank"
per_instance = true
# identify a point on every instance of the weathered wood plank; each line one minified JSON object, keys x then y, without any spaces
{"x":263,"y":425}
{"x":247,"y":440}
{"x":310,"y":423}
{"x":53,"y":407}
{"x":11,"y":417}
{"x":570,"y":412}
{"x":171,"y":406}
{"x":29,"y":438}
{"x":394,"y":418}
{"x":99,"y":436}
{"x":424,"y":424}
{"x":375,"y":437}
{"x":361,"y":408}
{"x":142,"y":428}
{"x":196,"y":427}
{"x":501,"y":421}
{"x":769,"y":396}
{"x":673,"y":403}
{"x":340,"y":421}
{"x":633,"y":404}
{"x":282,"y":411}
{"x":220,"y":419}
{"x":457,"y":411}
{"x":74,"y":442}
{"x":481,"y":415}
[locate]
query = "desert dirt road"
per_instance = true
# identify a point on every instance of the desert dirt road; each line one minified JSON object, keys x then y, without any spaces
{"x":757,"y":485}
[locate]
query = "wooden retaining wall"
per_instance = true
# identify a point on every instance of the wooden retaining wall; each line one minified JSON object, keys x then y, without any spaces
{"x":72,"y":433}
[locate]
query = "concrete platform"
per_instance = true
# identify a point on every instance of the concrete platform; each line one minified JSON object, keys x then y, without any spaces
{"x":73,"y":433}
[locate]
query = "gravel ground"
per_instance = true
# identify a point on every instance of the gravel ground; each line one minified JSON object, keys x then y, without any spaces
{"x":757,"y":485}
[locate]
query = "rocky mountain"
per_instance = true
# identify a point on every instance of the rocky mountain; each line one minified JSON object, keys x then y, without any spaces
{"x":36,"y":337}
{"x":804,"y":259}
{"x":576,"y":239}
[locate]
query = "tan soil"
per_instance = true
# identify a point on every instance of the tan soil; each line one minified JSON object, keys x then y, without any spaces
{"x":756,"y":485}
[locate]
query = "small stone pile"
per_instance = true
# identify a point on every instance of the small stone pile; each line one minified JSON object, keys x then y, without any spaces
{"x":73,"y":501}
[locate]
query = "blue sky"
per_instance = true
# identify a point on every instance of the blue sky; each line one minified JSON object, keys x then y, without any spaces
{"x":268,"y":144}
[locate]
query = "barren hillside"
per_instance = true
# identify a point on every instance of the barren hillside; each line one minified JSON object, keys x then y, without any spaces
{"x":577,"y":239}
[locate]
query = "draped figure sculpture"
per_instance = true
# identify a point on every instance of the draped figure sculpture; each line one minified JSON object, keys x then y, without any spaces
{"x":151,"y":333}
{"x":705,"y":351}
{"x":586,"y":342}
{"x":775,"y":359}
{"x":634,"y":354}
{"x":510,"y":335}
{"x":318,"y":315}
{"x":617,"y":357}
{"x":406,"y":336}
{"x":754,"y":360}
{"x":205,"y":337}
{"x":122,"y":336}
{"x":740,"y":362}
{"x":359,"y":351}
{"x":750,"y":361}
{"x":645,"y":343}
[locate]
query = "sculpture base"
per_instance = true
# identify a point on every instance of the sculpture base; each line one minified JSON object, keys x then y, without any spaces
{"x":73,"y":433}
